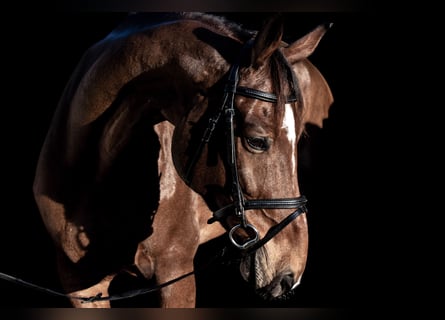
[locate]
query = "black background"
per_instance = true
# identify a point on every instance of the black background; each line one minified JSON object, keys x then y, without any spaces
{"x":346,"y":211}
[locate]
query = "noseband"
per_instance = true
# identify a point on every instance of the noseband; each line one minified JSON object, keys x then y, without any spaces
{"x":239,"y":204}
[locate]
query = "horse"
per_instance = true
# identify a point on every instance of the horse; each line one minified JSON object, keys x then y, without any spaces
{"x":173,"y":130}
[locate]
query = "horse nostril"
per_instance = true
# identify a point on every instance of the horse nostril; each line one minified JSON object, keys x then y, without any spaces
{"x":287,"y":282}
{"x":281,"y":286}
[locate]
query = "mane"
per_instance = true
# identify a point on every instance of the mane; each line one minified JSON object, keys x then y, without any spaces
{"x":139,"y":21}
{"x":220,"y":23}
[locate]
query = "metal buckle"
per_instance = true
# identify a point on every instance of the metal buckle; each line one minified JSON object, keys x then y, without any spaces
{"x":249,"y":242}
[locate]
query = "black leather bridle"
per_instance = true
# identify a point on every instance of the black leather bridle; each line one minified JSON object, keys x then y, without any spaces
{"x":240,"y":204}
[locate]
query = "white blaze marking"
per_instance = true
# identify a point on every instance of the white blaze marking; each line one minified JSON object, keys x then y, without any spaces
{"x":289,"y":126}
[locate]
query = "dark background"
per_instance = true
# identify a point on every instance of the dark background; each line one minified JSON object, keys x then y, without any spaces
{"x":345,"y":216}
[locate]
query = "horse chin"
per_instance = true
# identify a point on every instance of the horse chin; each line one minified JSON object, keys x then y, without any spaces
{"x":265,"y":294}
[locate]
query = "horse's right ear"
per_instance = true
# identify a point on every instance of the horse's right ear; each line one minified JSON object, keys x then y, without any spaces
{"x":267,"y":40}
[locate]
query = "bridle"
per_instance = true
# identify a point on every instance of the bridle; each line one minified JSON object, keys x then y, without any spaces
{"x":240,"y":204}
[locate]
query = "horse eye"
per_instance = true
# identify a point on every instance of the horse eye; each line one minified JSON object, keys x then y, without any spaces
{"x":260,"y":144}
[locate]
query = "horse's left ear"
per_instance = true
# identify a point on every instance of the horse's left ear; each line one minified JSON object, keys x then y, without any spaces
{"x":267,"y":40}
{"x":304,"y":47}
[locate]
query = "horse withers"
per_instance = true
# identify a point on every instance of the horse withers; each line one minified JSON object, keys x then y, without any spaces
{"x":173,"y":130}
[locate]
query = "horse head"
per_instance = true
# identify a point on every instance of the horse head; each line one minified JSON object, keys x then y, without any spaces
{"x":238,"y":149}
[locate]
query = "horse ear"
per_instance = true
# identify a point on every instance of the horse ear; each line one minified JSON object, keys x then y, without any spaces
{"x":316,"y":93}
{"x":304,"y":47}
{"x":267,"y":40}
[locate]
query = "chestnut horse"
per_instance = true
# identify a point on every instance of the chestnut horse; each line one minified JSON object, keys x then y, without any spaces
{"x":173,"y":130}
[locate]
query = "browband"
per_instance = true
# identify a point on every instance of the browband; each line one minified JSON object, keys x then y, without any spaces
{"x":261,"y":95}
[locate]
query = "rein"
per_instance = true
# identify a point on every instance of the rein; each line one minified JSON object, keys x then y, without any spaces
{"x":114,"y":297}
{"x":98,"y":297}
